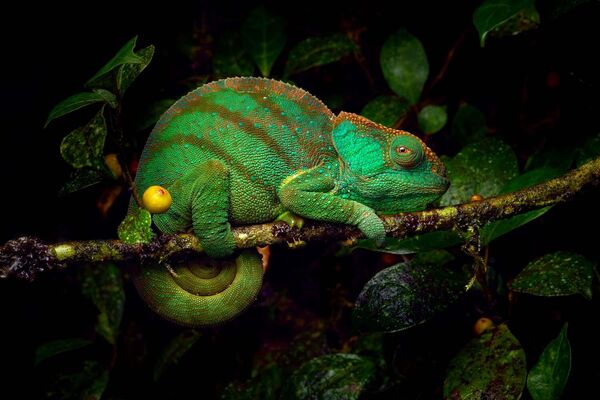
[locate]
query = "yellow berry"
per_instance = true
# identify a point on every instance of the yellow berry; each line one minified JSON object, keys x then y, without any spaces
{"x":112,"y":162}
{"x":157,"y":199}
{"x":476,"y":197}
{"x":482,"y":325}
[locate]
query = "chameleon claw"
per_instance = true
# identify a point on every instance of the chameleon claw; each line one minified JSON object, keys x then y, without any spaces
{"x":293,"y":220}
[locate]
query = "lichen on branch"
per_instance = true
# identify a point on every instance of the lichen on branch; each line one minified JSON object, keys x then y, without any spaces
{"x":24,"y":257}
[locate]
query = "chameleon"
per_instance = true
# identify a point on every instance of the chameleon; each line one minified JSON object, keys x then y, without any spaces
{"x":247,"y":150}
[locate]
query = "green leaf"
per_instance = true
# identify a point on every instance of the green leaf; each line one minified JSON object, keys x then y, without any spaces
{"x":175,"y":350}
{"x":315,"y":51}
{"x":547,"y":378}
{"x":136,"y":227}
{"x":405,"y":295}
{"x":432,"y":119}
{"x":385,"y":110}
{"x":127,"y":73}
{"x":559,"y":157}
{"x":103,"y":285}
{"x":589,"y":150}
{"x":468,"y":125}
{"x":231,"y":59}
{"x":556,"y":274}
{"x":496,"y":229}
{"x":83,"y":147}
{"x":505,"y":17}
{"x":480,"y":168}
{"x":265,"y":386}
{"x":125,"y":55}
{"x":264,"y":38}
{"x":404,"y":65}
{"x":415,"y":244}
{"x":436,"y":257}
{"x":80,"y":179}
{"x":76,"y":102}
{"x":88,"y":383}
{"x":334,"y":376}
{"x":491,"y":366}
{"x":56,"y":347}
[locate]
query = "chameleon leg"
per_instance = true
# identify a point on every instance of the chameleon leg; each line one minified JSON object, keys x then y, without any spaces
{"x":309,"y":194}
{"x":201,"y":291}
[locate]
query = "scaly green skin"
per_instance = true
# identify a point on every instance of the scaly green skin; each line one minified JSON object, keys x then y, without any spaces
{"x":246,"y":150}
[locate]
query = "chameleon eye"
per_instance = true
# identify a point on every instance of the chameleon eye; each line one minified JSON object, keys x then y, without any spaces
{"x":407,"y":151}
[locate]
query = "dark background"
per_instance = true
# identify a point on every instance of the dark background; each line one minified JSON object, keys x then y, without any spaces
{"x":50,"y":50}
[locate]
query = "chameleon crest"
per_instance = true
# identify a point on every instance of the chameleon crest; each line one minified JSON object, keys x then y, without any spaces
{"x":246,"y":150}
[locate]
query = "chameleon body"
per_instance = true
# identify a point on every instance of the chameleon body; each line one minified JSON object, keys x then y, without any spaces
{"x":246,"y":150}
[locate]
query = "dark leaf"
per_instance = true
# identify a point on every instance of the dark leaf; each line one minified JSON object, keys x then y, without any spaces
{"x":56,"y":347}
{"x":404,"y":65}
{"x":78,"y":101}
{"x":125,"y":55}
{"x":547,"y":378}
{"x":127,"y":73}
{"x":315,"y":51}
{"x":103,"y":285}
{"x":432,"y":119}
{"x":83,"y":147}
{"x":415,"y":244}
{"x":153,"y":113}
{"x":559,"y":157}
{"x":496,"y":229}
{"x":468,"y":125}
{"x":264,"y":38}
{"x":175,"y":350}
{"x":335,"y":376}
{"x":589,"y":150}
{"x":405,"y":295}
{"x":385,"y":110}
{"x":480,"y":168}
{"x":88,"y":383}
{"x":265,"y":386}
{"x":436,"y":257}
{"x":80,"y":179}
{"x":231,"y":59}
{"x":505,"y":17}
{"x":136,"y":227}
{"x":556,"y":274}
{"x":491,"y":366}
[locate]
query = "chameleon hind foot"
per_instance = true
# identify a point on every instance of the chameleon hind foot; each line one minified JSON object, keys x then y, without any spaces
{"x":293,"y":220}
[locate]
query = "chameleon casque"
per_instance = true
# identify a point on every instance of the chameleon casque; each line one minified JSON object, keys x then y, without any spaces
{"x":246,"y":150}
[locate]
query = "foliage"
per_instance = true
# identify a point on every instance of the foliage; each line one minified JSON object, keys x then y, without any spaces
{"x":343,"y":326}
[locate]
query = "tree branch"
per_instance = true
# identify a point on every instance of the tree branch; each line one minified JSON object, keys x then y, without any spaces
{"x":24,"y":257}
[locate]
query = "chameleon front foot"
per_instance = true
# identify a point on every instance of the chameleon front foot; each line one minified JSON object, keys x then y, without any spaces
{"x":293,"y":220}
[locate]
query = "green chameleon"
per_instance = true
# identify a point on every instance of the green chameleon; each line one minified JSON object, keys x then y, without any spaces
{"x":248,"y":150}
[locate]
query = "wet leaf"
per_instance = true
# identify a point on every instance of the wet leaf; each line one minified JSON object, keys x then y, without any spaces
{"x":60,"y":346}
{"x":103,"y":285}
{"x":125,"y":55}
{"x":175,"y":350}
{"x":80,"y":179}
{"x":468,"y":125}
{"x":589,"y":150}
{"x":83,"y":147}
{"x":548,"y":377}
{"x":405,"y":295}
{"x":334,"y":376}
{"x":88,"y":383}
{"x":231,"y":59}
{"x":404,"y":65}
{"x":385,"y":110}
{"x":505,"y":17}
{"x":432,"y":119}
{"x":264,"y":38}
{"x":315,"y":51}
{"x":480,"y":168}
{"x":136,"y":227}
{"x":78,"y":101}
{"x":127,"y":73}
{"x":490,"y":366}
{"x":498,"y":228}
{"x":556,"y":274}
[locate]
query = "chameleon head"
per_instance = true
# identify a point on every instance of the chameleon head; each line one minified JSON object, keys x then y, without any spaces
{"x":389,"y":170}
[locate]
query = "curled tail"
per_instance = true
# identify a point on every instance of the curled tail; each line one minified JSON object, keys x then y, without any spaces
{"x":201,"y":291}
